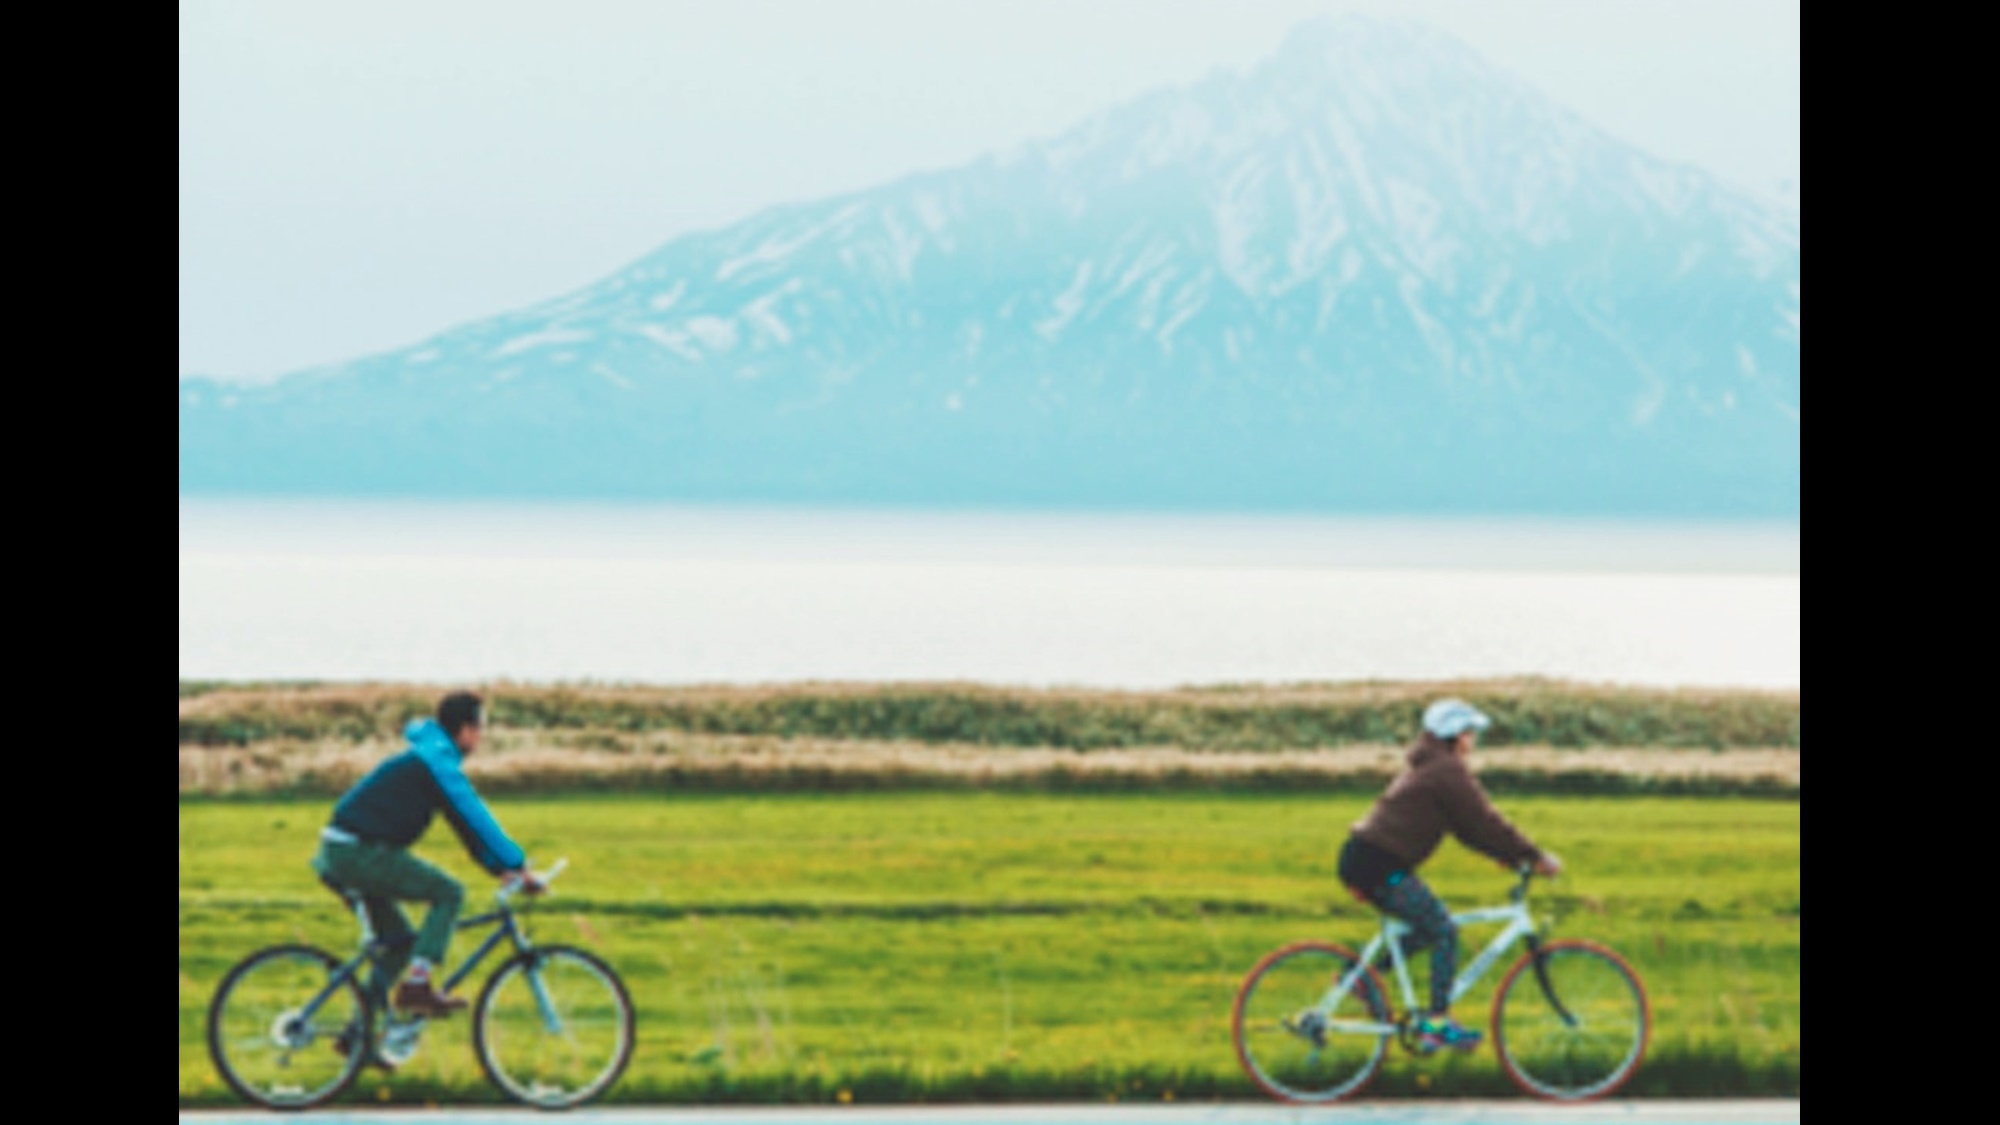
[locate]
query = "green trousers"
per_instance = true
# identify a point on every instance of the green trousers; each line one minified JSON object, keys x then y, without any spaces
{"x":385,"y":876}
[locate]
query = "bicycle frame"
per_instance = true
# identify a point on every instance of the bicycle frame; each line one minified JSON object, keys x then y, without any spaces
{"x":1520,"y":924}
{"x":374,"y":948}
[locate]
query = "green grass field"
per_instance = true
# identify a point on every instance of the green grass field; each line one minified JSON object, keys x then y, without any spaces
{"x":899,"y":947}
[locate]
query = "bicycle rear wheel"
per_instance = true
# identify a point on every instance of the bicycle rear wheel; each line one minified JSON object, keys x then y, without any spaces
{"x":268,"y":1047}
{"x":553,"y":1027}
{"x":1583,"y":1035}
{"x":1293,"y":1051}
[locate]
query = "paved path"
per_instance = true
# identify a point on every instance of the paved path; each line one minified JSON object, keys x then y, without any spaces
{"x":1655,"y":1112}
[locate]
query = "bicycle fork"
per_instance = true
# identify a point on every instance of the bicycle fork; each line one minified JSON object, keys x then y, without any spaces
{"x":545,"y":1004}
{"x":1540,"y":962}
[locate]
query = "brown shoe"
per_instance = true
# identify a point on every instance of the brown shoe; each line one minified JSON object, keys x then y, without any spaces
{"x":419,"y":998}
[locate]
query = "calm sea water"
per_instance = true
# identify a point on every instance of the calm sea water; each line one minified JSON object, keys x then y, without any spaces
{"x":459,"y":592}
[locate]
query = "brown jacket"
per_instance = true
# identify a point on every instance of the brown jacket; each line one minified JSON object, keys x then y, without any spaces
{"x":1438,"y":794}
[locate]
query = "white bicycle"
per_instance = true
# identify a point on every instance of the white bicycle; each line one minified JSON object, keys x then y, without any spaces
{"x":1570,"y":1019}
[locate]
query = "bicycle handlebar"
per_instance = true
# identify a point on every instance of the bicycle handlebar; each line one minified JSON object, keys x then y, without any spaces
{"x":512,"y":887}
{"x":1520,"y":891}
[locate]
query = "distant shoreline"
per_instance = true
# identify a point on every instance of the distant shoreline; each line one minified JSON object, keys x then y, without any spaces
{"x":666,"y":527}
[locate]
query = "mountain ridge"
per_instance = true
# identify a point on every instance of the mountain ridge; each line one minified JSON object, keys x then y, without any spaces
{"x":1373,"y":272}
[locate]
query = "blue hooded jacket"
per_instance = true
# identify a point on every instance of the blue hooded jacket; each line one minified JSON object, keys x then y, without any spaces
{"x":394,"y":803}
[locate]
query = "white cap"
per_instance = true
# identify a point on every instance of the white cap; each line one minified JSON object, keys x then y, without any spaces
{"x":1449,"y":718}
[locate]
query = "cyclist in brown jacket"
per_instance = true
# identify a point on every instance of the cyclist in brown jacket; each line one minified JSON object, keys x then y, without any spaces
{"x":1435,"y":795}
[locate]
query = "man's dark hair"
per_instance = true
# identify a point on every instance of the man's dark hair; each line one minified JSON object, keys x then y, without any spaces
{"x":457,"y":709}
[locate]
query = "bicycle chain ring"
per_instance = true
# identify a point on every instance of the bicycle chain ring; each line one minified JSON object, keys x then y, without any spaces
{"x":1406,"y":1035}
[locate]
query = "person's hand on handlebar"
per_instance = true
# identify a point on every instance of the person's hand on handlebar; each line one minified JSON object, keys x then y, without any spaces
{"x":1547,"y":865}
{"x":524,"y":880}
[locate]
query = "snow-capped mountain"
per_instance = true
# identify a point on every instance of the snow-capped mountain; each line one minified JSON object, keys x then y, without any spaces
{"x":1374,"y":272}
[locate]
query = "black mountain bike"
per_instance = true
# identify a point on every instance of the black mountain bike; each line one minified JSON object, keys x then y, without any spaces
{"x":291,"y":1025}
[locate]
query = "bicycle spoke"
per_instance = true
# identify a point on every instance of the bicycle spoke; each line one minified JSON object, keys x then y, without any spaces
{"x":1591,"y":1051}
{"x":1293,"y":1046}
{"x":561,"y":1064}
{"x":261,"y":1042}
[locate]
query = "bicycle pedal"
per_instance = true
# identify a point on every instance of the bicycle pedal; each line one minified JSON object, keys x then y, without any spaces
{"x":400,"y":1041}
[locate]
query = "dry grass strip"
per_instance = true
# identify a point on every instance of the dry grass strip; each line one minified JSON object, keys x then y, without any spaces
{"x":551,"y":761}
{"x":1525,"y":712}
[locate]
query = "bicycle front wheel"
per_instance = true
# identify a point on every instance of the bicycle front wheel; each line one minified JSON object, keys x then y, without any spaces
{"x":553,"y":1027}
{"x":282,"y":1033}
{"x":1576,"y":1029}
{"x":1293,"y":1047}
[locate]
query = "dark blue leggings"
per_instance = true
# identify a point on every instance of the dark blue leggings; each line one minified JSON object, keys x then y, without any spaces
{"x":1407,"y":899}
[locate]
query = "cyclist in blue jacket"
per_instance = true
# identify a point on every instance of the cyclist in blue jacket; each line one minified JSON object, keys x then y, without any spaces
{"x":365,"y":849}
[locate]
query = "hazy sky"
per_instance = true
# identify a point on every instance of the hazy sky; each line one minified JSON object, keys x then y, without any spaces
{"x":356,"y":175}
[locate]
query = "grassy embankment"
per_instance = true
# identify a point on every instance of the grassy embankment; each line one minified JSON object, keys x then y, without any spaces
{"x":1548,"y":737}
